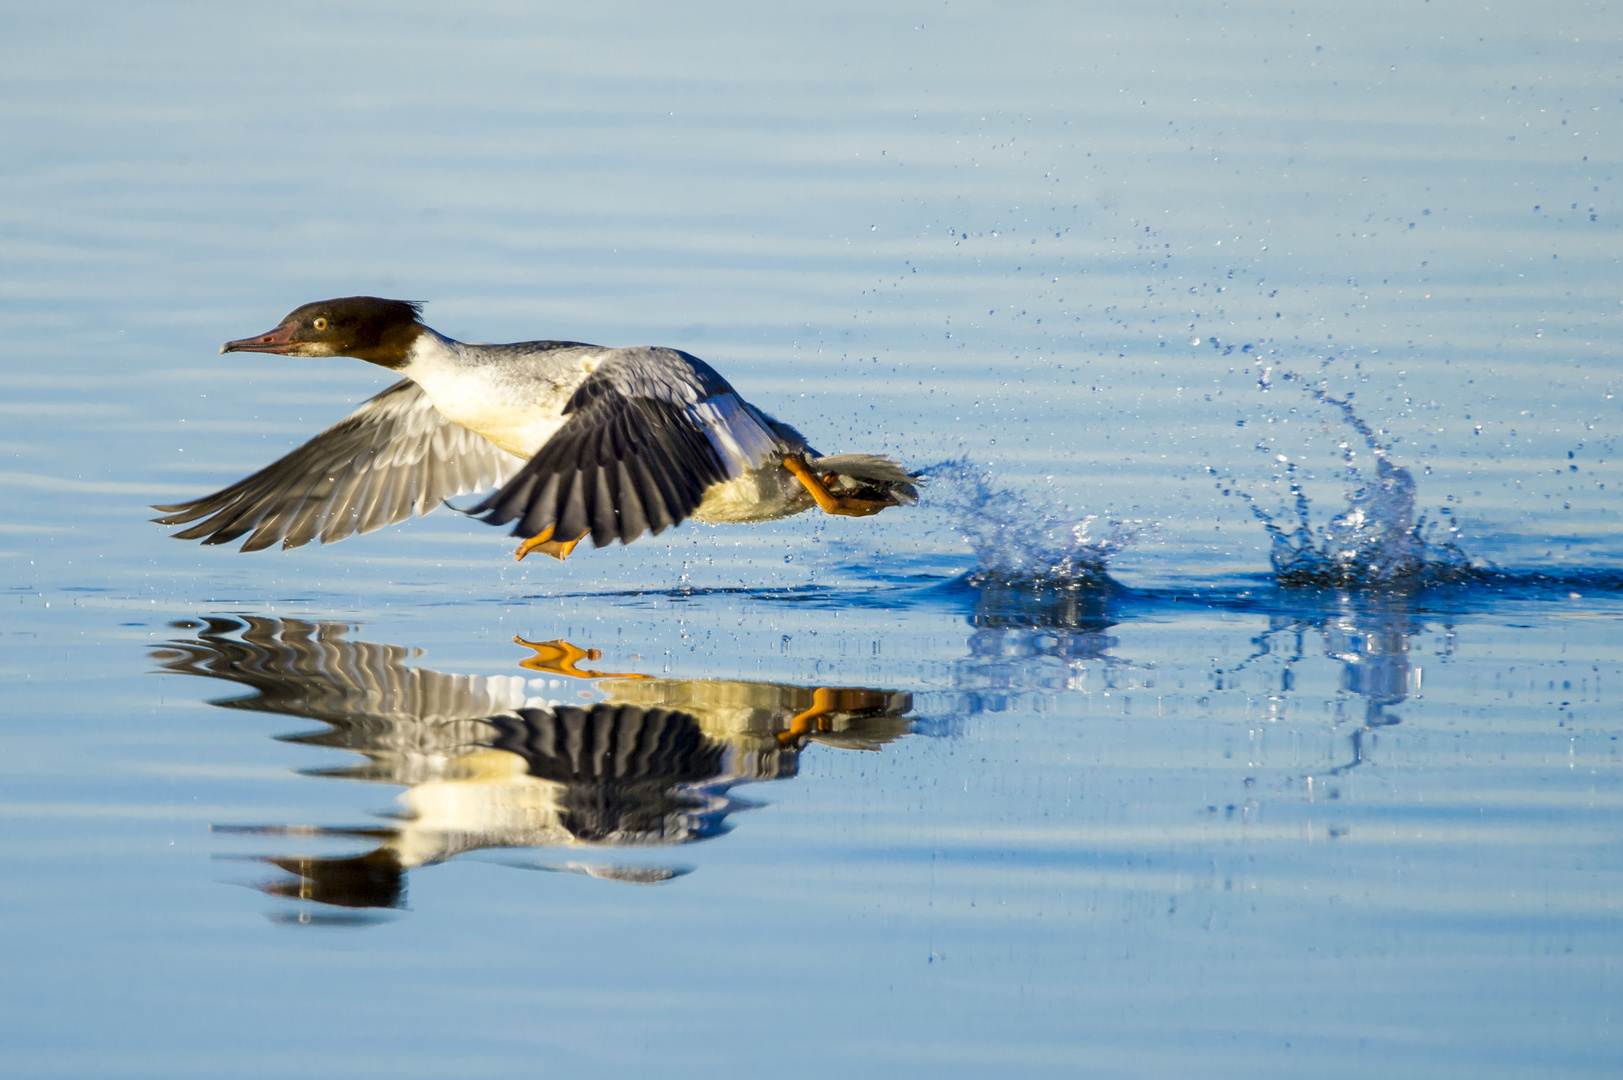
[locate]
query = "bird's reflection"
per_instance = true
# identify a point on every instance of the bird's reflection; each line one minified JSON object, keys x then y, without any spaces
{"x":487,"y":764}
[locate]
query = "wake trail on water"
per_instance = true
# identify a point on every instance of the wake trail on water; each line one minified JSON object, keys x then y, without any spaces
{"x":1019,"y":540}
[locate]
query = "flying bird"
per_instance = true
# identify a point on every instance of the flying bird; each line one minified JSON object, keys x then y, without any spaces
{"x":578,"y":440}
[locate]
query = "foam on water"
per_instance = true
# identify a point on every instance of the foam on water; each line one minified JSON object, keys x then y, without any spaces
{"x":1376,"y":541}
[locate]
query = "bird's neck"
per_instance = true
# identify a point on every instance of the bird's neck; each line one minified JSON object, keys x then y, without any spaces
{"x":397,"y":345}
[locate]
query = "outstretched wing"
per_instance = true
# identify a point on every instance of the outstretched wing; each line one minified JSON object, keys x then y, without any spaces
{"x":645,"y":435}
{"x":393,"y":457}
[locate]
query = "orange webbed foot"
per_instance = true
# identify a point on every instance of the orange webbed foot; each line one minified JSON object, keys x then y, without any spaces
{"x":827,"y":501}
{"x":546,"y":545}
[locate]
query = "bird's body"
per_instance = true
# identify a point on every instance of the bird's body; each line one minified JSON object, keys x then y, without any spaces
{"x":580,"y":440}
{"x":515,"y":396}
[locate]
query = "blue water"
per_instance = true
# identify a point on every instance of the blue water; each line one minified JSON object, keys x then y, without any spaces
{"x":1239,"y":700}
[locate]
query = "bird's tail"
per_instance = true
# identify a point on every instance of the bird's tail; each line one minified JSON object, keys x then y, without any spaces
{"x":869,"y":472}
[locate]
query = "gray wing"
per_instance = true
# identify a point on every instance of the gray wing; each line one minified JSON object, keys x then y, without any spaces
{"x":644,"y":436}
{"x":393,"y":457}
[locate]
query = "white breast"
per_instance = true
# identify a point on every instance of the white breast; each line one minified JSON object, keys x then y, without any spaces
{"x":513,"y":408}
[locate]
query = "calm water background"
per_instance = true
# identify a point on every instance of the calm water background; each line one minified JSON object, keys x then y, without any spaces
{"x":1194,"y":824}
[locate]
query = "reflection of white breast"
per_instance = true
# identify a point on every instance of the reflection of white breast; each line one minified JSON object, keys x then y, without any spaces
{"x":494,"y":800}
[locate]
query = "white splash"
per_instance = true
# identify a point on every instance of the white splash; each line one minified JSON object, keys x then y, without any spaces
{"x":1375,"y":541}
{"x":1018,"y":540}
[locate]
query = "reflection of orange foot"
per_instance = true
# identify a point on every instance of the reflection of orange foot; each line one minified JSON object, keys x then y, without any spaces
{"x":558,"y":657}
{"x":546,"y":545}
{"x":827,"y":501}
{"x":826,"y":702}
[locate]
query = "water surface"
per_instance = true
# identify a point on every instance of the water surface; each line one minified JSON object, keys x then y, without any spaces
{"x":1240,"y":699}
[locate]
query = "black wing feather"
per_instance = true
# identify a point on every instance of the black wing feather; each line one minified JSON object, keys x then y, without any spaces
{"x":620,"y":465}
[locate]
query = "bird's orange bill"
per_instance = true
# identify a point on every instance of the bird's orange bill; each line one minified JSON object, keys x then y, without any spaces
{"x":826,"y":702}
{"x":559,"y":657}
{"x":546,"y":545}
{"x":827,"y":501}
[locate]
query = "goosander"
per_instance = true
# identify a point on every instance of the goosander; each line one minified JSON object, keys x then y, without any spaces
{"x":579,"y":440}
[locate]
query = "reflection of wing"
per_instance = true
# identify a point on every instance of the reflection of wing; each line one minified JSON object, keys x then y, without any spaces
{"x":407,"y":719}
{"x":645,"y":435}
{"x":313,"y":670}
{"x":393,"y":457}
{"x":622,"y":770}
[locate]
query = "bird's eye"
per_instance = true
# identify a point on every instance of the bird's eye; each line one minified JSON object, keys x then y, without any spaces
{"x":320,"y":324}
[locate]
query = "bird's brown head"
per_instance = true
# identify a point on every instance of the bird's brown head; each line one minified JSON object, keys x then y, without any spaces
{"x":365,"y":327}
